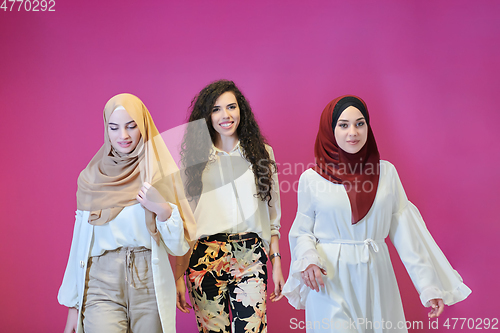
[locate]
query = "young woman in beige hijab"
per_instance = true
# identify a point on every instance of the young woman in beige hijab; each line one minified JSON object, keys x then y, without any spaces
{"x":118,"y":277}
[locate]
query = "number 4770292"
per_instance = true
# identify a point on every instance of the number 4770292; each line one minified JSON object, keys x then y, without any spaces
{"x":28,"y":5}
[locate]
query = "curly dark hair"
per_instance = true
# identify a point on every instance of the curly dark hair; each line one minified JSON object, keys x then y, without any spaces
{"x":195,"y":151}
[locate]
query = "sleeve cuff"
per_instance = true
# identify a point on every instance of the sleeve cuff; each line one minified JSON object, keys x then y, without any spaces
{"x":172,"y":233}
{"x":428,"y":294}
{"x":310,"y":257}
{"x":174,"y":209}
{"x":275,"y":232}
{"x":295,"y":290}
{"x":448,"y":297}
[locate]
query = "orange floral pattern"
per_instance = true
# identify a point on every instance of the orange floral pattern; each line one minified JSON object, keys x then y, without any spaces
{"x":229,"y":276}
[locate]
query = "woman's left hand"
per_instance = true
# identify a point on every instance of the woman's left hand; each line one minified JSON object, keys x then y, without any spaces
{"x":437,"y":307}
{"x":279,"y":281}
{"x":152,"y":200}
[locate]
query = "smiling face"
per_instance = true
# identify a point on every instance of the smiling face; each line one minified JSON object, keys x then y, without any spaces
{"x":123,"y":131}
{"x":351,"y":131}
{"x":226,"y":116}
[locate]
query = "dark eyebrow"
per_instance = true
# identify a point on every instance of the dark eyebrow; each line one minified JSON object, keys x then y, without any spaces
{"x":230,"y":104}
{"x":362,"y":118}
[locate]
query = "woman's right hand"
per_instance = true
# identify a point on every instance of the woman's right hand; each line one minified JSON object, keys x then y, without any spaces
{"x":182,"y":304}
{"x":72,"y":321}
{"x":312,"y":277}
{"x":152,"y":200}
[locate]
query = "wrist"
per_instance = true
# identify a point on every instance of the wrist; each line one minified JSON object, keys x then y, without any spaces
{"x":275,"y":258}
{"x":164,"y":213}
{"x":275,"y":255}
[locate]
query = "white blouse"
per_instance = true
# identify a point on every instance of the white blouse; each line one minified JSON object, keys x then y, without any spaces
{"x":127,"y":229}
{"x":229,"y":204}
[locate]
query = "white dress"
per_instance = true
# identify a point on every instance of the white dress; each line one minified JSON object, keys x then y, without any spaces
{"x":361,"y":293}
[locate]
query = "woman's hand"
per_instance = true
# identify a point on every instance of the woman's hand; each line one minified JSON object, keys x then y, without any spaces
{"x":72,"y":321}
{"x":312,"y":277}
{"x":182,"y":304}
{"x":152,"y":200}
{"x":437,"y":307}
{"x":279,"y":281}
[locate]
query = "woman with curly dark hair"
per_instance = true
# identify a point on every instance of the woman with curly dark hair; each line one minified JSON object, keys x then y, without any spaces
{"x":232,"y":183}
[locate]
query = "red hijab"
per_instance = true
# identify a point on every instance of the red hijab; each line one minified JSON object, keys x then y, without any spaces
{"x":359,"y":172}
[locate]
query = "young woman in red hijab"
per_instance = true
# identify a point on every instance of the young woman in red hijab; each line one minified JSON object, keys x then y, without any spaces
{"x":341,"y":272}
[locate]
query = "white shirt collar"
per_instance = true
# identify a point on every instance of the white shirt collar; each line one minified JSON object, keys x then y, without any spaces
{"x":237,"y":147}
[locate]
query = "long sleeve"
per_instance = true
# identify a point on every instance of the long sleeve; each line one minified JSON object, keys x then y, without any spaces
{"x":430,"y":271}
{"x":275,"y":204}
{"x":302,"y":247}
{"x":71,"y":290}
{"x":172,"y":233}
{"x":68,"y":292}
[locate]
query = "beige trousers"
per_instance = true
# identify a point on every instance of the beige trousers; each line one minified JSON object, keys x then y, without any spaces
{"x":119,"y":293}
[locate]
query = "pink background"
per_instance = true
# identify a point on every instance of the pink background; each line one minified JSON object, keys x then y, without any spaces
{"x":429,"y":72}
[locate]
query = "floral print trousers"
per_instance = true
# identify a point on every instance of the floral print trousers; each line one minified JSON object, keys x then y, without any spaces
{"x":229,"y":277}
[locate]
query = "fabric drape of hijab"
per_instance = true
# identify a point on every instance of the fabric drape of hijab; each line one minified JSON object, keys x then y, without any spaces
{"x":359,"y":172}
{"x":112,"y":180}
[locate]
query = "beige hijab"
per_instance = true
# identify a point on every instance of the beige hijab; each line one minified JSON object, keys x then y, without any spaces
{"x":112,"y":180}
